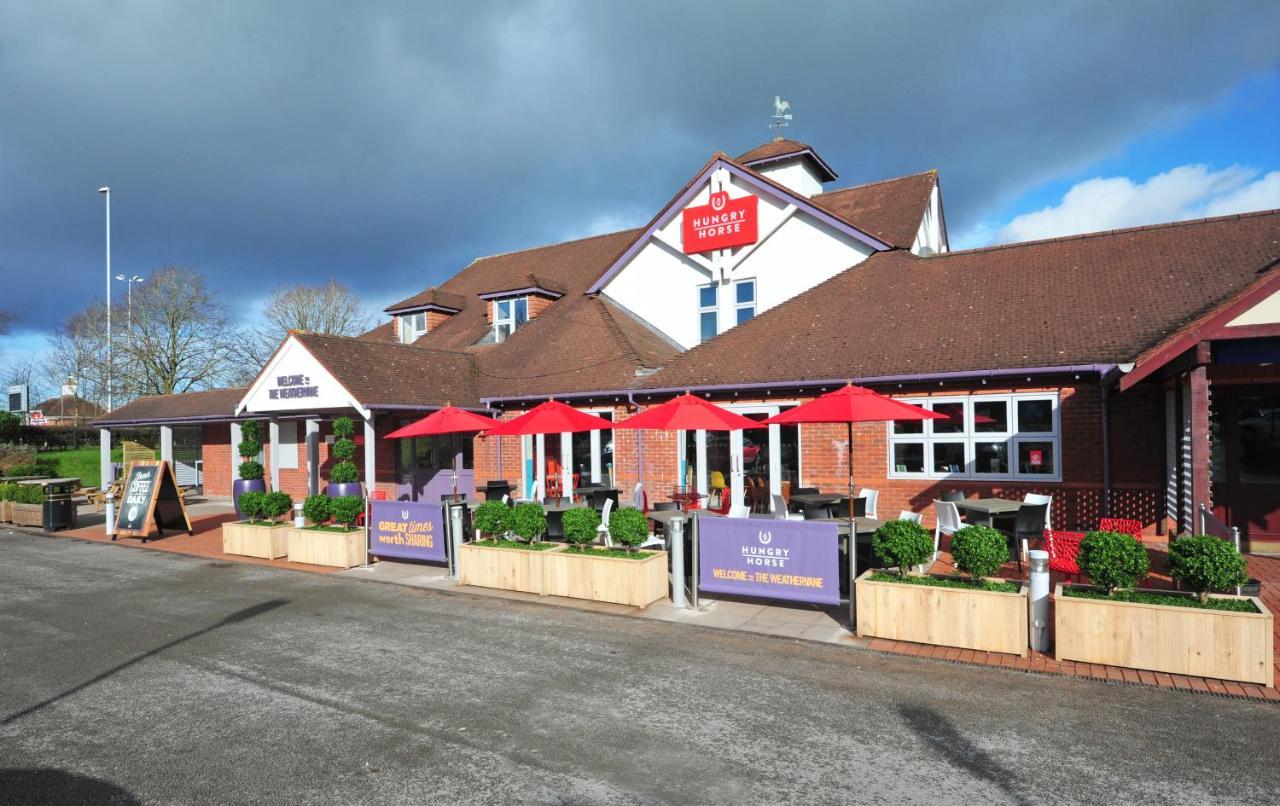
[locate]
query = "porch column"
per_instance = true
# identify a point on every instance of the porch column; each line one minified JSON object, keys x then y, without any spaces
{"x":235,"y":452}
{"x":313,"y":457}
{"x":370,"y":454}
{"x":166,"y":444}
{"x":273,"y":430}
{"x":540,"y":466}
{"x":1201,"y":444}
{"x":566,"y":462}
{"x":104,"y":457}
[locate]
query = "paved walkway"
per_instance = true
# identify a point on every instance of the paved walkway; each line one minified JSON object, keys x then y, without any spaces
{"x":786,"y":619}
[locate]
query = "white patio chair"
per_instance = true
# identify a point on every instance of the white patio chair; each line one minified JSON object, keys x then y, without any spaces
{"x":602,"y":531}
{"x":737,"y":511}
{"x":778,"y":506}
{"x":1047,"y":500}
{"x":637,"y":497}
{"x":871,"y":496}
{"x":908,"y":515}
{"x":948,"y":524}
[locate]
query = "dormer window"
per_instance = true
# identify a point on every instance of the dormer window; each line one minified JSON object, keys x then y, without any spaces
{"x":508,"y":315}
{"x":413,"y":326}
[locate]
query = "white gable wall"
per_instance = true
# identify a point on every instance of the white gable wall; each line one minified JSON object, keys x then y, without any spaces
{"x":795,"y":253}
{"x":794,"y":175}
{"x":294,"y":381}
{"x":929,"y":238}
{"x":1266,"y":312}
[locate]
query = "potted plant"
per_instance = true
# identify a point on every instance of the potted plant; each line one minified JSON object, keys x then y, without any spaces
{"x":493,"y":518}
{"x":344,"y":477}
{"x":529,"y":522}
{"x":261,"y":533}
{"x":340,"y":544}
{"x":973,"y":611}
{"x":1196,"y":632}
{"x":250,"y":470}
{"x":619,"y":575}
{"x":27,"y":506}
{"x":500,"y":562}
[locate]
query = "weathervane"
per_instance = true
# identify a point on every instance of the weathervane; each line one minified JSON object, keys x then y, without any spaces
{"x":781,"y":115}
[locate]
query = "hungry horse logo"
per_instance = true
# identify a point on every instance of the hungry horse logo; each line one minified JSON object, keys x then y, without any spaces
{"x":404,"y":514}
{"x":766,"y":538}
{"x":719,"y":200}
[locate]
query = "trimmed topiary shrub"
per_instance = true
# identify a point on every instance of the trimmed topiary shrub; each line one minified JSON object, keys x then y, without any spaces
{"x":493,"y":518}
{"x":581,"y":525}
{"x":346,"y":509}
{"x":344,"y":448}
{"x":316,"y":508}
{"x":629,"y":527}
{"x":1205,"y":564}
{"x":904,"y":544}
{"x":979,"y":551}
{"x":7,"y":491}
{"x":276,"y":504}
{"x":1112,"y":560}
{"x":251,"y":505}
{"x":250,"y":447}
{"x":529,"y":521}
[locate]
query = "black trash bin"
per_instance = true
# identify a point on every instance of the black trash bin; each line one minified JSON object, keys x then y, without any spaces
{"x":59,"y":509}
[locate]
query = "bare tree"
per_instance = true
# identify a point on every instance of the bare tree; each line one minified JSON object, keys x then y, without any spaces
{"x":181,"y":339}
{"x":330,"y":308}
{"x":78,"y":350}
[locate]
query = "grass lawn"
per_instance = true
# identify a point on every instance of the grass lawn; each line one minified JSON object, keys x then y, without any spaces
{"x":81,"y":463}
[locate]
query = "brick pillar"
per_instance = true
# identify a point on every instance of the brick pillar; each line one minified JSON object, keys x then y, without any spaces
{"x":1201,"y":445}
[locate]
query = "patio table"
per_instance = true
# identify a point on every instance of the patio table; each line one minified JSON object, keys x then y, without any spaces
{"x":818,"y":499}
{"x":988,"y":509}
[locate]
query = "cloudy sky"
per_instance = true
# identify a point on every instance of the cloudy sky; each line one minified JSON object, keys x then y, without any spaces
{"x":386,"y":144}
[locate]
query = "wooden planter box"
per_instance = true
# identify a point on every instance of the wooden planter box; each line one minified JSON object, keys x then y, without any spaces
{"x":339,"y":549}
{"x":249,"y":540}
{"x":639,"y":583}
{"x":4,"y":512}
{"x":986,"y":621}
{"x":1167,"y":638}
{"x":506,"y":569}
{"x":26,"y":514}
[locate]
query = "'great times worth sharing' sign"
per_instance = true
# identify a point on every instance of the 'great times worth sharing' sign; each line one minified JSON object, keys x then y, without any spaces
{"x":791,"y":560}
{"x":406,"y":529}
{"x":292,"y":386}
{"x":722,"y":224}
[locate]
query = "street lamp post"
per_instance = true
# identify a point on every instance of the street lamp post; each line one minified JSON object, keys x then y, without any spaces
{"x":130,"y":280}
{"x":106,"y":192}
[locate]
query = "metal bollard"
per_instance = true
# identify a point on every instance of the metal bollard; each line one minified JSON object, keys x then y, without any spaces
{"x":677,"y":562}
{"x":111,"y":515}
{"x":299,"y":520}
{"x":1038,"y":618}
{"x":455,"y":536}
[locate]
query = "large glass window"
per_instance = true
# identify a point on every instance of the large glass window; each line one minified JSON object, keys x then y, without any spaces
{"x":508,"y":316}
{"x":708,"y":311}
{"x":412,"y":326}
{"x":432,"y":453}
{"x":593,"y":453}
{"x":983,"y":436}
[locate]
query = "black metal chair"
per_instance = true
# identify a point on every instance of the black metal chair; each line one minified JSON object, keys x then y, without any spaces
{"x":806,"y":491}
{"x":555,"y":525}
{"x":952,"y":496}
{"x":1027,"y":525}
{"x":817,"y":511}
{"x":665,"y":506}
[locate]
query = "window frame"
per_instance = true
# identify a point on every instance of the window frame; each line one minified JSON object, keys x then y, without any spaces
{"x":738,"y":307}
{"x":510,"y":320}
{"x":409,"y":332}
{"x":1011,"y":437}
{"x":713,"y":309}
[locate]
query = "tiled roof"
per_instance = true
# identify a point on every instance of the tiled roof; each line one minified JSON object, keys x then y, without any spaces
{"x":432,"y":296}
{"x":215,"y":403}
{"x":68,"y":406}
{"x":891,"y":209}
{"x":404,"y":374}
{"x":781,"y":149}
{"x":1087,"y":299}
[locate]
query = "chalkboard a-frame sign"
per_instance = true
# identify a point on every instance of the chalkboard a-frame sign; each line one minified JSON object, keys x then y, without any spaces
{"x":151,"y":501}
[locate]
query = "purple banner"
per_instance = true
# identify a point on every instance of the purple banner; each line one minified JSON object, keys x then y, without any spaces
{"x":772,"y":559}
{"x":406,"y":529}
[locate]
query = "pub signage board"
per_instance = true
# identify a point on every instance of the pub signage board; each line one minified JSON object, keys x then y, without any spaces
{"x":723,"y":223}
{"x":407,"y":529}
{"x":773,"y":559}
{"x":151,"y":500}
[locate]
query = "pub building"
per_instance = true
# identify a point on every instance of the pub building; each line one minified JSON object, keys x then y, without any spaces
{"x":1130,"y":373}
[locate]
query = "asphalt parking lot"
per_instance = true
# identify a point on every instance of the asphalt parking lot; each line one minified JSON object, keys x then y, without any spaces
{"x":145,"y":677}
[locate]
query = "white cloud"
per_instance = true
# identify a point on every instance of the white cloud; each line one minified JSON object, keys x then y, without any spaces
{"x":1188,"y":191}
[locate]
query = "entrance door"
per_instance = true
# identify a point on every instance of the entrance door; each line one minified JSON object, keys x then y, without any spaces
{"x":1246,"y":459}
{"x":744,"y":467}
{"x":427,"y":466}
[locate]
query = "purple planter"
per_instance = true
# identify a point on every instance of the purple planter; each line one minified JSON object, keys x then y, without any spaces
{"x":241,"y":486}
{"x":346,"y":488}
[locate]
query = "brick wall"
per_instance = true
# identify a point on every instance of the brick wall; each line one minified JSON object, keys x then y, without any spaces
{"x":216,"y":458}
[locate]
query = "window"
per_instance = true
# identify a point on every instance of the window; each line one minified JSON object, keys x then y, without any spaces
{"x":508,"y":316}
{"x":708,"y":311}
{"x":745,"y":300}
{"x":412,"y":326}
{"x":982,"y":437}
{"x":593,"y":453}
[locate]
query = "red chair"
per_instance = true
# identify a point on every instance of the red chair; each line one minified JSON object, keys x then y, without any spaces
{"x":1125,"y":526}
{"x":1063,"y":548}
{"x":376,"y":495}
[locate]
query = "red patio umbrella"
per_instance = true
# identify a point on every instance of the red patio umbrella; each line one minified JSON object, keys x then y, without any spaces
{"x":448,"y":420}
{"x":852,"y":404}
{"x":688,"y":413}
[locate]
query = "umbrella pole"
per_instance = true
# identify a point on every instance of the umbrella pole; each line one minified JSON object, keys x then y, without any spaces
{"x":853,"y":540}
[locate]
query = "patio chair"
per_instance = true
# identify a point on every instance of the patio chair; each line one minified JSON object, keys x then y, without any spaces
{"x":638,"y":498}
{"x":602,"y":531}
{"x":817,"y":512}
{"x":666,"y":506}
{"x":1063,"y":548}
{"x":1125,"y":526}
{"x":1037,"y":498}
{"x":948,"y":517}
{"x":1029,"y":523}
{"x":739,"y":511}
{"x":871,"y":497}
{"x":908,"y":515}
{"x":778,"y":506}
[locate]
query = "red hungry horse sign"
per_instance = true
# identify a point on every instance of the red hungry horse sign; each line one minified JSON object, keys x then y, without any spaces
{"x":722,"y":224}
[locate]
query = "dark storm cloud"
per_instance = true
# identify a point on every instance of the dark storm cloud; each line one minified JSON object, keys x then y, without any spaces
{"x":385,"y":145}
